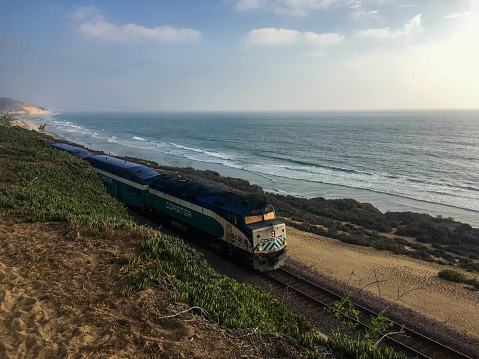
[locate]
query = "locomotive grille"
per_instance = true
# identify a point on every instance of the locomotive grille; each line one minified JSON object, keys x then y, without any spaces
{"x":278,"y":243}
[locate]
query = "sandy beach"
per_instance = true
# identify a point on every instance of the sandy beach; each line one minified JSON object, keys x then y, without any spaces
{"x":416,"y":282}
{"x":24,"y":122}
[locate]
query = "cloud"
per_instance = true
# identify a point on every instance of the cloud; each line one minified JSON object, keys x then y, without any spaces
{"x":290,"y":7}
{"x":412,"y":27}
{"x":457,"y":15}
{"x":301,"y":8}
{"x":290,"y":12}
{"x":362,"y":14}
{"x":249,"y":4}
{"x":322,"y":40}
{"x":358,"y":14}
{"x":85,"y":12}
{"x":471,"y":14}
{"x":272,"y":36}
{"x":99,"y":28}
{"x":317,"y":54}
{"x":286,"y":37}
{"x":314,"y":4}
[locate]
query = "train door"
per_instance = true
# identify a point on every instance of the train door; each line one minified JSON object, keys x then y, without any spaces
{"x":118,"y":191}
{"x":229,"y":238}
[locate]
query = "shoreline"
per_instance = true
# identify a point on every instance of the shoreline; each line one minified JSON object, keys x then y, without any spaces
{"x":33,"y":126}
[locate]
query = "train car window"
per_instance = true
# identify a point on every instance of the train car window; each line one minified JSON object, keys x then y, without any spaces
{"x":269,"y":215}
{"x":138,"y":191}
{"x":253,"y":219}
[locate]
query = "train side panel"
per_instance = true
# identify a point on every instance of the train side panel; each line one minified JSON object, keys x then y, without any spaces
{"x":199,"y":217}
{"x":126,"y":191}
{"x":187,"y":212}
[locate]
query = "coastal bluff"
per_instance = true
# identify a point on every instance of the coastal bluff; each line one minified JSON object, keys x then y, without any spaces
{"x":14,"y":107}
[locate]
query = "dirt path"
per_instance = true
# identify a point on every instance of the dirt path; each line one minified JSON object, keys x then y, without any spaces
{"x":453,"y":304}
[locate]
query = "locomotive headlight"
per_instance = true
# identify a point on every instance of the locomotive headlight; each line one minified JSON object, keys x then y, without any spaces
{"x":272,"y":234}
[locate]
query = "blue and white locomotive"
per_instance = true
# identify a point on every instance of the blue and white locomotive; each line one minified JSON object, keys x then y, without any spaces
{"x":247,"y":226}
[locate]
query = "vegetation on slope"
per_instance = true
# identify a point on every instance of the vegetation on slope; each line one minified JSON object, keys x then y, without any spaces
{"x":458,"y":277}
{"x":6,"y":120}
{"x":42,"y":185}
{"x":38,"y":183}
{"x":451,"y":242}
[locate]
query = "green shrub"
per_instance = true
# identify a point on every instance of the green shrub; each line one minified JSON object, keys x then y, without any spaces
{"x":345,"y":347}
{"x":6,"y":120}
{"x":452,"y":276}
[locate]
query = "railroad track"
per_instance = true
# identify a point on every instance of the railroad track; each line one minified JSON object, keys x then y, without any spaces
{"x":411,"y":343}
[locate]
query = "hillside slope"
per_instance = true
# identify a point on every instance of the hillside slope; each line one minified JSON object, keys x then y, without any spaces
{"x":14,"y":107}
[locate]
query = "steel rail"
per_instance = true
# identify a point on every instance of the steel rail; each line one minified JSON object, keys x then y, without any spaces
{"x":417,"y":338}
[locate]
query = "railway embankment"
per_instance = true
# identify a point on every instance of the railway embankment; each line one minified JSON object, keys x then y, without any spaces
{"x":80,"y":278}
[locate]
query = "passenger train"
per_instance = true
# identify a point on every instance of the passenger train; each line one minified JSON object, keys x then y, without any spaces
{"x":247,"y":227}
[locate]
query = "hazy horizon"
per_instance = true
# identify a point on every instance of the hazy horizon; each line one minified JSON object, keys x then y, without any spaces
{"x":241,"y":55}
{"x":393,"y":110}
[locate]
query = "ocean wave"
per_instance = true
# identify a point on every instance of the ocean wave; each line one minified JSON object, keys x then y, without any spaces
{"x":285,"y":193}
{"x":388,"y":184}
{"x":403,"y":187}
{"x":204,"y":159}
{"x":316,"y":165}
{"x":208,"y":153}
{"x":140,"y":139}
{"x":469,"y":188}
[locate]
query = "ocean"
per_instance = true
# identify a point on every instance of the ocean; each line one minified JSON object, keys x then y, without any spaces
{"x":419,"y":161}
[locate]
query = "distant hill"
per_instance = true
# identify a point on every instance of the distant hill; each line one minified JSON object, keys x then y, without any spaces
{"x":14,"y":107}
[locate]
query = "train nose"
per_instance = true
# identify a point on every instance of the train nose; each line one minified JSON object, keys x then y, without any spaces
{"x":272,"y":261}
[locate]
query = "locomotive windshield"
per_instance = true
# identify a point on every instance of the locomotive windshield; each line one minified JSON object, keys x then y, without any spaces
{"x":260,"y":215}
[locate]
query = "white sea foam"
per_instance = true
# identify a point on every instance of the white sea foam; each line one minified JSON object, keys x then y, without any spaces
{"x":138,"y":138}
{"x":208,"y":153}
{"x":403,"y":187}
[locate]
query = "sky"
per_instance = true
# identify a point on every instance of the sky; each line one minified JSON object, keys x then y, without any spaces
{"x":240,"y":55}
